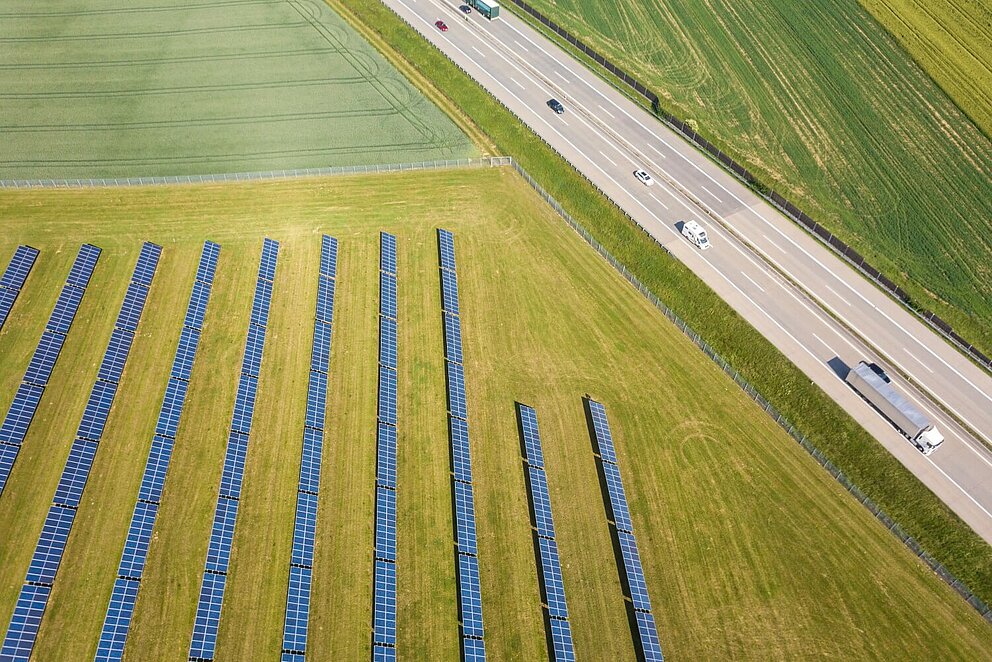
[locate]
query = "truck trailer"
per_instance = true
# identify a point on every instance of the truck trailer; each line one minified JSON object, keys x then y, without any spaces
{"x":873,"y":385}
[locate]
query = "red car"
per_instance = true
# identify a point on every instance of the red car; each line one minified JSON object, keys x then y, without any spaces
{"x":441,"y":26}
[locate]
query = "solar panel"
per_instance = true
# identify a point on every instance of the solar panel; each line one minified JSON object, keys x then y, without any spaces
{"x":449,"y":291}
{"x":532,"y":436}
{"x":648,"y":636}
{"x":456,"y":390}
{"x":328,"y":256}
{"x":97,"y":410}
{"x":172,"y":408}
{"x":153,"y":478}
{"x":7,"y":298}
{"x":316,"y":400}
{"x":474,"y":650}
{"x":182,"y":363}
{"x":470,"y":595}
{"x":8,"y":455}
{"x":207,"y":267}
{"x":601,"y":427}
{"x":385,"y":524}
{"x":313,"y":441}
{"x":51,"y":544}
{"x":77,"y":469}
{"x":22,"y":409}
{"x":452,"y":338}
{"x":381,"y":653}
{"x":387,"y":396}
{"x":134,"y":304}
{"x":387,"y":248}
{"x":320,"y":356}
{"x":385,"y":473}
{"x":139,"y":536}
{"x":293,"y":657}
{"x":305,"y":530}
{"x":65,"y":310}
{"x":207,"y":616}
{"x":635,"y":573}
{"x":261,"y":303}
{"x":244,"y":404}
{"x":267,"y":265}
{"x":222,"y":535}
{"x":294,"y":636}
{"x":387,"y":292}
{"x":561,"y":641}
{"x":541,"y":501}
{"x":461,"y":459}
{"x":325,"y":300}
{"x":144,"y":270}
{"x":384,"y":603}
{"x":43,"y":361}
{"x":24,"y":624}
{"x":116,"y":354}
{"x":251,"y":363}
{"x":18,"y":268}
{"x":465,"y":518}
{"x":618,"y":498}
{"x":387,"y":342}
{"x":82,"y":267}
{"x":197,"y":307}
{"x":446,"y":241}
{"x":554,"y":585}
{"x":234,"y":470}
{"x":118,"y":620}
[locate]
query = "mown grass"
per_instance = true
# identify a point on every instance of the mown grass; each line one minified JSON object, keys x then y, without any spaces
{"x":821,"y":104}
{"x":750,"y":549}
{"x":868,"y":464}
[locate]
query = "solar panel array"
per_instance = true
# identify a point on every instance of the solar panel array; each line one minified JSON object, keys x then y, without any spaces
{"x":22,"y":410}
{"x":129,"y":572}
{"x":204,"y":641}
{"x":26,"y":620}
{"x":647,"y":632}
{"x":13,"y":278}
{"x":469,"y":586}
{"x":384,"y":585}
{"x":548,"y":562}
{"x":294,"y":637}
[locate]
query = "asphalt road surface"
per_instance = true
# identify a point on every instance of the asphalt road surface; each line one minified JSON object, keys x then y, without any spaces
{"x":814,"y":307}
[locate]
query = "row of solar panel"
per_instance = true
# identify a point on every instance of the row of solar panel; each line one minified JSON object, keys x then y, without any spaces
{"x":13,"y":278}
{"x":208,"y":609}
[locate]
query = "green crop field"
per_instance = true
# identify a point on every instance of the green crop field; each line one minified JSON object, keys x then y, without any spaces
{"x":100,"y":88}
{"x":952,"y":40}
{"x":821,"y":103}
{"x":751,"y":550}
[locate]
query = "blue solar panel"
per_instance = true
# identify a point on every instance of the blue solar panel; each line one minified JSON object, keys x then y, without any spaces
{"x":305,"y":530}
{"x":328,"y":256}
{"x":449,"y":291}
{"x":172,"y":408}
{"x":325,"y":300}
{"x":8,"y":455}
{"x":532,"y":436}
{"x":452,"y":338}
{"x":77,"y":469}
{"x":465,"y":518}
{"x":470,"y":595}
{"x":474,"y":650}
{"x":554,"y":585}
{"x":82,"y":267}
{"x":563,"y":649}
{"x":24,"y":624}
{"x":51,"y":544}
{"x":204,"y":640}
{"x":97,"y":410}
{"x":139,"y":536}
{"x":320,"y":356}
{"x":43,"y":361}
{"x":384,"y":603}
{"x":134,"y":304}
{"x":244,"y":404}
{"x":7,"y":298}
{"x":222,"y":535}
{"x":144,"y":270}
{"x":385,"y":524}
{"x":22,"y":410}
{"x":387,"y":293}
{"x":601,"y":427}
{"x":118,"y":620}
{"x":116,"y":354}
{"x":294,"y":636}
{"x":313,"y":441}
{"x":387,"y":396}
{"x":618,"y":498}
{"x":648,"y":636}
{"x":267,"y":266}
{"x":542,"y":502}
{"x":635,"y":573}
{"x":385,"y":474}
{"x":261,"y":303}
{"x":456,"y":390}
{"x":18,"y":268}
{"x":65,"y":310}
{"x":387,"y":342}
{"x":381,"y":653}
{"x":207,"y":267}
{"x":251,"y":364}
{"x":182,"y":364}
{"x":293,"y":657}
{"x":155,"y":468}
{"x":234,"y":466}
{"x":446,"y":242}
{"x":197,"y":305}
{"x":461,"y":459}
{"x":387,"y":255}
{"x":316,"y":400}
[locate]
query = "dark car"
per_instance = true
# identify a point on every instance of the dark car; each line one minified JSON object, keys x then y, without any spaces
{"x":465,"y":9}
{"x":556,"y":106}
{"x":441,"y":26}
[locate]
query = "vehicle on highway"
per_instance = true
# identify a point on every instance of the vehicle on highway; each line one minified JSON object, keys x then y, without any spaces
{"x":440,"y":25}
{"x":644,"y":177}
{"x":695,"y":233}
{"x":465,"y":9}
{"x":556,"y":106}
{"x":910,"y":421}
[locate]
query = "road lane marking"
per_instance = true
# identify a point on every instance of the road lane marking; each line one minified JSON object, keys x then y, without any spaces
{"x":609,"y":159}
{"x":711,"y":193}
{"x":522,"y":47}
{"x":657,"y":151}
{"x":916,"y":359}
{"x":772,"y":242}
{"x":839,"y":296}
{"x":753,"y":282}
{"x":658,"y":201}
{"x":519,"y":84}
{"x":562,"y":77}
{"x":478,"y":51}
{"x":607,"y":112}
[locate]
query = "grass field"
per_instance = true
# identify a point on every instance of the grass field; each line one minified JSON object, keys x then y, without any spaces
{"x":822,"y":104}
{"x":100,"y":88}
{"x":952,"y":41}
{"x":750,"y":549}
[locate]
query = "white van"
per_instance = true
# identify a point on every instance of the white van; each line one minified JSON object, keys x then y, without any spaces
{"x":695,"y":233}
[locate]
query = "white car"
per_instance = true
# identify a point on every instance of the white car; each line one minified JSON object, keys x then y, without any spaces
{"x":695,"y":233}
{"x":644,"y":177}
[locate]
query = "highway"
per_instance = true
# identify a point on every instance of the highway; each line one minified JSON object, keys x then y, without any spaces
{"x":814,"y":307}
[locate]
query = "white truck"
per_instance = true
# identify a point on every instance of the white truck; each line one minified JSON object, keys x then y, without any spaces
{"x":695,"y":233}
{"x":873,"y":385}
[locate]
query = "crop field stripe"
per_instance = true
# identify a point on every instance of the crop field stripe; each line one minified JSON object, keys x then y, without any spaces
{"x":26,"y":620}
{"x":113,"y":637}
{"x":25,"y":404}
{"x":297,"y":621}
{"x":13,"y":278}
{"x":211,"y":601}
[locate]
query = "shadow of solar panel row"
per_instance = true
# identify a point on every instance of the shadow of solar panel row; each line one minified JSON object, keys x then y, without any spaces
{"x":13,"y":278}
{"x":120,"y":610}
{"x":387,"y":253}
{"x":208,"y":608}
